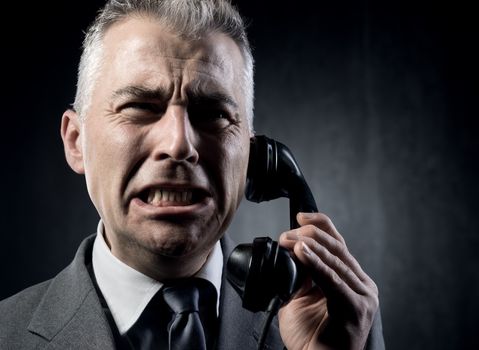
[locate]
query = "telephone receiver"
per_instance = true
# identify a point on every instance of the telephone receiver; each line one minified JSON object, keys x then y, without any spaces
{"x":263,"y":271}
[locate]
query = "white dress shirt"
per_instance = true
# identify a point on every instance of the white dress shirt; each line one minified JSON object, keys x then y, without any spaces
{"x":128,"y":291}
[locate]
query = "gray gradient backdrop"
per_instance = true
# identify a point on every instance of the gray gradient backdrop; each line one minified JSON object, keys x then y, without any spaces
{"x":376,"y":100}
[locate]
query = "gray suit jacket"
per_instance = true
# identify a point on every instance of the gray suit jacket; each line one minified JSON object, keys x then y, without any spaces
{"x":66,"y":313}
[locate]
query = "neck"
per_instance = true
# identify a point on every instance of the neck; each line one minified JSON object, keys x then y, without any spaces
{"x":156,"y":265}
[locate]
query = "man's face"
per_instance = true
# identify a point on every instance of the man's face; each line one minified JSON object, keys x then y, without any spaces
{"x":165,"y":141}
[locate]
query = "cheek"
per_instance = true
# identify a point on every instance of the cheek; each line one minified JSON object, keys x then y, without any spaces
{"x":109,"y":154}
{"x":236,"y":164}
{"x":112,"y":144}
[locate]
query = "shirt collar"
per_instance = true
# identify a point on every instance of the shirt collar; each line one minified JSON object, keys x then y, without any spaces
{"x":128,"y":291}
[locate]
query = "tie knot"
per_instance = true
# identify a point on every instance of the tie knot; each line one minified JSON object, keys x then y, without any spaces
{"x":189,"y":295}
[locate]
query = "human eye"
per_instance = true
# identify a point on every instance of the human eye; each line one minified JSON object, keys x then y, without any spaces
{"x":141,"y":106}
{"x":210,"y":116}
{"x":142,"y":111}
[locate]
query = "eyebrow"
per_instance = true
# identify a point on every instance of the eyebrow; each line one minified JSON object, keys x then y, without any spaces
{"x":195,"y":95}
{"x":141,"y":92}
{"x":212,"y":97}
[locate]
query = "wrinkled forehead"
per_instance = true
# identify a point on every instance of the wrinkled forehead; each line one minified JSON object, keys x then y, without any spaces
{"x":144,"y":42}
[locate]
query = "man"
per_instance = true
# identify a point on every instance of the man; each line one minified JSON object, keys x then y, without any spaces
{"x":160,"y":128}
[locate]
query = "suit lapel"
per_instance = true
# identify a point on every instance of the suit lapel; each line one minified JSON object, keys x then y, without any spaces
{"x":240,"y":328}
{"x":70,"y":315}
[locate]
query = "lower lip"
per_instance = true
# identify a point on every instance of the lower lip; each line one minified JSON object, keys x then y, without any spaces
{"x":155,"y":212}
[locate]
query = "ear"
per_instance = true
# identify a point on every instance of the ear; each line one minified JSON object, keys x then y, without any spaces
{"x":71,"y":136}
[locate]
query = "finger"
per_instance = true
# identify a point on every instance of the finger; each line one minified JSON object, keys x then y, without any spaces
{"x":328,"y":280}
{"x":321,"y":221}
{"x":328,"y":270}
{"x":337,"y":245}
{"x":334,"y":246}
{"x":289,"y":239}
{"x":332,"y":241}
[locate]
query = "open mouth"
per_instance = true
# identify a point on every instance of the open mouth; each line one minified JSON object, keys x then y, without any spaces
{"x":166,"y":197}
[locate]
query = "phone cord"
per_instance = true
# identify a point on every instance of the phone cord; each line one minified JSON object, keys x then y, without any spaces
{"x":272,"y":310}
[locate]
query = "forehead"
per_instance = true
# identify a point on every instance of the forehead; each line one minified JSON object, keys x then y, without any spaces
{"x":143,"y":50}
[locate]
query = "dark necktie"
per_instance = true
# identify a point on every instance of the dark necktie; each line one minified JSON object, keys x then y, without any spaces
{"x":193,"y":303}
{"x":181,"y":316}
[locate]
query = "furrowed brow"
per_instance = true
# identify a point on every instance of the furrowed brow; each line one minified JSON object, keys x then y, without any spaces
{"x":196,"y":97}
{"x":200,"y":97}
{"x":141,"y":92}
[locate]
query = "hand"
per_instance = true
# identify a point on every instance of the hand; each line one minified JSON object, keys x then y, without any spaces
{"x":338,"y":309}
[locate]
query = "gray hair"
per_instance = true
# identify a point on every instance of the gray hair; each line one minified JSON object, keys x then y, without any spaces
{"x":189,"y":18}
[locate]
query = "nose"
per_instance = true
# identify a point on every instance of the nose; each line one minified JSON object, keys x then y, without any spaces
{"x":175,"y":136}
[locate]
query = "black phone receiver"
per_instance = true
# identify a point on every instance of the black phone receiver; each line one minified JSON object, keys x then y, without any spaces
{"x":273,"y":172}
{"x":262,"y":271}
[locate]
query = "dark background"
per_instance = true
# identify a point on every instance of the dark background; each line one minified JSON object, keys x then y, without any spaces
{"x":377,"y":99}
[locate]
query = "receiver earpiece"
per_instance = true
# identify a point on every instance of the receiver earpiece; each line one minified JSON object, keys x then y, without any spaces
{"x":273,"y":173}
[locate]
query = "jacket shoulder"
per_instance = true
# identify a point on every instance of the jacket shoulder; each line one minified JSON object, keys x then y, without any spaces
{"x":22,"y":304}
{"x":15,"y":315}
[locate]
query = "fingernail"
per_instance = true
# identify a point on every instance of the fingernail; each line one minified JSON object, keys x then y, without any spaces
{"x":292,"y":235}
{"x":307,"y":215}
{"x":306,"y":249}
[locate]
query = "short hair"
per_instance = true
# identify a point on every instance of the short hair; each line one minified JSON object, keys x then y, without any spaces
{"x":189,"y":18}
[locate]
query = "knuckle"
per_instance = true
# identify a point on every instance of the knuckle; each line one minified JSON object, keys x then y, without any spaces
{"x":342,"y":268}
{"x":323,"y":220}
{"x":338,"y":263}
{"x":374,"y":300}
{"x":375,"y":289}
{"x":369,"y":305}
{"x":322,"y":216}
{"x":372,"y":289}
{"x":308,"y":230}
{"x":371,"y":309}
{"x":340,"y":249}
{"x":317,"y":264}
{"x":316,"y":233}
{"x":328,"y":222}
{"x":311,"y":229}
{"x":312,"y":234}
{"x":335,"y":278}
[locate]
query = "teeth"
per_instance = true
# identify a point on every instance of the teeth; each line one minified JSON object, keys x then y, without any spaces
{"x":159,"y":197}
{"x":151,"y":196}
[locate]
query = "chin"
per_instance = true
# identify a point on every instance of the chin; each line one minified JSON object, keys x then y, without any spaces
{"x":176,"y":244}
